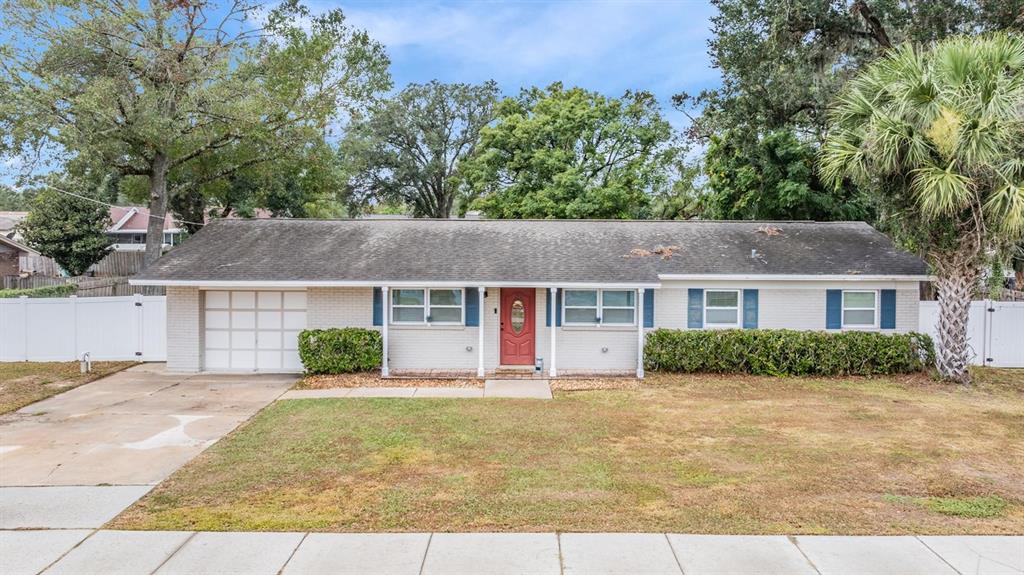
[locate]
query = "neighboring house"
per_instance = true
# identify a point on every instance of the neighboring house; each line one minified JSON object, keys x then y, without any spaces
{"x":9,"y":223}
{"x":128,"y":229}
{"x":12,"y":256}
{"x":485,"y":296}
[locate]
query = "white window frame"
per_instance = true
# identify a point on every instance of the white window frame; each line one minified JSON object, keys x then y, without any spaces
{"x":426,"y":306}
{"x":630,"y":307}
{"x":875,"y":309}
{"x":598,"y":308}
{"x":738,"y":308}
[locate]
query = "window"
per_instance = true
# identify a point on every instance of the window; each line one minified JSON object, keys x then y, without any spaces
{"x":721,"y":308}
{"x":618,"y":306}
{"x":441,"y":306}
{"x":592,"y":307}
{"x":445,"y":306}
{"x":580,"y":306}
{"x":859,"y":308}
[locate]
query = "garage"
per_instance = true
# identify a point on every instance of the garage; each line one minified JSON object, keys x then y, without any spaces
{"x":253,"y":330}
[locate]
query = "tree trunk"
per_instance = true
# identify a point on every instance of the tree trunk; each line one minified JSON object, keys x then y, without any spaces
{"x":957,"y":273}
{"x":157,"y":207}
{"x":955,"y":292}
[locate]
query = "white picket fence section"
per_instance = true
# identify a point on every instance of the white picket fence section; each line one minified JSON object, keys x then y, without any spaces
{"x":995,"y":331}
{"x":63,"y":329}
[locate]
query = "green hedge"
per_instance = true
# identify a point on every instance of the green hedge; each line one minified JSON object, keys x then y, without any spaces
{"x":62,"y":290}
{"x":787,"y":352}
{"x":340,"y":350}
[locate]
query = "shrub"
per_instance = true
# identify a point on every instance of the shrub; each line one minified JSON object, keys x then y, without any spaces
{"x":340,"y":350}
{"x":62,"y":290}
{"x":787,"y":352}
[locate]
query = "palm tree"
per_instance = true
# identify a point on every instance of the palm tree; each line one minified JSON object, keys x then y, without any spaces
{"x":937,"y":134}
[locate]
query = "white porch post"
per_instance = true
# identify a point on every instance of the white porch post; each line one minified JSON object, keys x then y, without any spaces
{"x":386,"y":314}
{"x":553,"y":294}
{"x":640,"y":333}
{"x":481,"y":293}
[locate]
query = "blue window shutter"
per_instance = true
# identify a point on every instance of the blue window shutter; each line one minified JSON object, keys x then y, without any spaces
{"x":833,"y":309}
{"x":649,"y":308}
{"x":378,"y":306}
{"x":558,"y":308}
{"x":547,"y":307}
{"x":695,"y":309}
{"x":472,"y":307}
{"x":750,"y":309}
{"x":888,"y":309}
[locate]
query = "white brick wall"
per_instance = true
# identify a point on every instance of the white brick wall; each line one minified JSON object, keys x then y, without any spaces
{"x":339,"y":307}
{"x":184,"y":326}
{"x":784,"y":305}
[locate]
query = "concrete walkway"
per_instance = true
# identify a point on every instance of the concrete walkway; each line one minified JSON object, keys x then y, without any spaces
{"x":83,"y":552}
{"x":505,"y":388}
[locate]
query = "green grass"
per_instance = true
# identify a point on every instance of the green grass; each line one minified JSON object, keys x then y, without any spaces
{"x":24,"y":383}
{"x":681,"y":454}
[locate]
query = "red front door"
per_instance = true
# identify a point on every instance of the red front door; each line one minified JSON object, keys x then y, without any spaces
{"x":517,"y":326}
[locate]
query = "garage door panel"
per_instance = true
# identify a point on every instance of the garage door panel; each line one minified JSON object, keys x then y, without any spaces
{"x":253,"y":330}
{"x":218,"y":319}
{"x":270,"y":340}
{"x":269,"y":320}
{"x":295,"y":300}
{"x":218,"y":359}
{"x":243,"y":300}
{"x":269,"y":300}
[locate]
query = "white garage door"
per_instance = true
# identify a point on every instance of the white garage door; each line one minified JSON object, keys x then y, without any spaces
{"x":254,"y":330}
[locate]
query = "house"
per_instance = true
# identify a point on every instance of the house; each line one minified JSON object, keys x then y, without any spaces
{"x":9,"y":224}
{"x":485,"y":296}
{"x":128,"y":229}
{"x":13,"y":255}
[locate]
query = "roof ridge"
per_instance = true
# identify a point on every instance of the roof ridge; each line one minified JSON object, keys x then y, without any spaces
{"x":537,"y":220}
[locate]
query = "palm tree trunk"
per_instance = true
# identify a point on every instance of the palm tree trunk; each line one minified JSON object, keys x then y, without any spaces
{"x":955,"y":292}
{"x":957,"y":274}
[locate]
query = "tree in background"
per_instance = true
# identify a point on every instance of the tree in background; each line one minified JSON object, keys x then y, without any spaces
{"x":777,"y":181}
{"x":148,"y":88}
{"x":782,"y":64}
{"x":70,"y":230}
{"x":13,"y":200}
{"x":939,"y":134}
{"x":410,"y":147}
{"x":571,"y":153}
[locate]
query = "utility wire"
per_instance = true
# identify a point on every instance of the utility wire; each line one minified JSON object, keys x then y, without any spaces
{"x":102,"y":203}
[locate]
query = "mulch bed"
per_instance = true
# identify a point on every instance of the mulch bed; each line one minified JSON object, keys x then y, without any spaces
{"x":375,"y":380}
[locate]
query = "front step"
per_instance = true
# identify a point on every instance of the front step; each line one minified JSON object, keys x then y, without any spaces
{"x":514,"y":371}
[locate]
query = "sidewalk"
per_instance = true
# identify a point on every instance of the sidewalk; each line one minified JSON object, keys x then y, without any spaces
{"x":170,"y":552}
{"x":493,"y":388}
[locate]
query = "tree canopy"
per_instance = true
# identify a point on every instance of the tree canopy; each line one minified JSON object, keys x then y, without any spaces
{"x":938,"y":135}
{"x":68,"y":229}
{"x":560,"y":152}
{"x":409,"y":148}
{"x":149,"y":88}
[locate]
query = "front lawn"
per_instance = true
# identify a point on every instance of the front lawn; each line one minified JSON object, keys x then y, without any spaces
{"x":22,"y":383}
{"x":681,"y":454}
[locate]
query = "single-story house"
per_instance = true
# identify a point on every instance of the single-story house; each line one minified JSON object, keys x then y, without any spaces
{"x":493,"y":296}
{"x":12,"y":256}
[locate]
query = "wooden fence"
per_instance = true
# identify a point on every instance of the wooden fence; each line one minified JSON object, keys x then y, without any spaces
{"x":87,"y":286}
{"x":119,"y":264}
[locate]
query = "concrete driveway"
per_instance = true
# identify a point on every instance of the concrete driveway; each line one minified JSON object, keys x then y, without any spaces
{"x":131,"y":430}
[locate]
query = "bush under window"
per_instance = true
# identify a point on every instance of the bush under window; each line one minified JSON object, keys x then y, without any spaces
{"x":787,"y":352}
{"x":340,"y":350}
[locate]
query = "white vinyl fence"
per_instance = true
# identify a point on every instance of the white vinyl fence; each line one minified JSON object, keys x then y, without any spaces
{"x":995,"y":331}
{"x":63,"y":329}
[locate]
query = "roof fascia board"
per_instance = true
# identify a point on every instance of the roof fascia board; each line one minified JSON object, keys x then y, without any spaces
{"x":381,"y":283}
{"x":792,"y":277}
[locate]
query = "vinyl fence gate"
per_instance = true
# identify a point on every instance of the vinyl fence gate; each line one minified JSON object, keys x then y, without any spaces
{"x":120,"y":328}
{"x":995,"y":331}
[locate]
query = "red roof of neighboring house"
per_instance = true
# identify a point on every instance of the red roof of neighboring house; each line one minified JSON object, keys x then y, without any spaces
{"x":136,"y":219}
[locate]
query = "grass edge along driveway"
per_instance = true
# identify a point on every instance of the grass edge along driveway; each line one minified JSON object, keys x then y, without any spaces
{"x":24,"y":383}
{"x":686,"y":454}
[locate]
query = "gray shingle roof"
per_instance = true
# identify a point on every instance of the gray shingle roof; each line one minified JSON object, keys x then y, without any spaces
{"x":533,"y":251}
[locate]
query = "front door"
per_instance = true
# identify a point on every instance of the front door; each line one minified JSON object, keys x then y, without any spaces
{"x":517,"y":326}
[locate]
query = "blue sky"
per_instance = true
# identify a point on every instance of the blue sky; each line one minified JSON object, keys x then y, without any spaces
{"x":609,"y":46}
